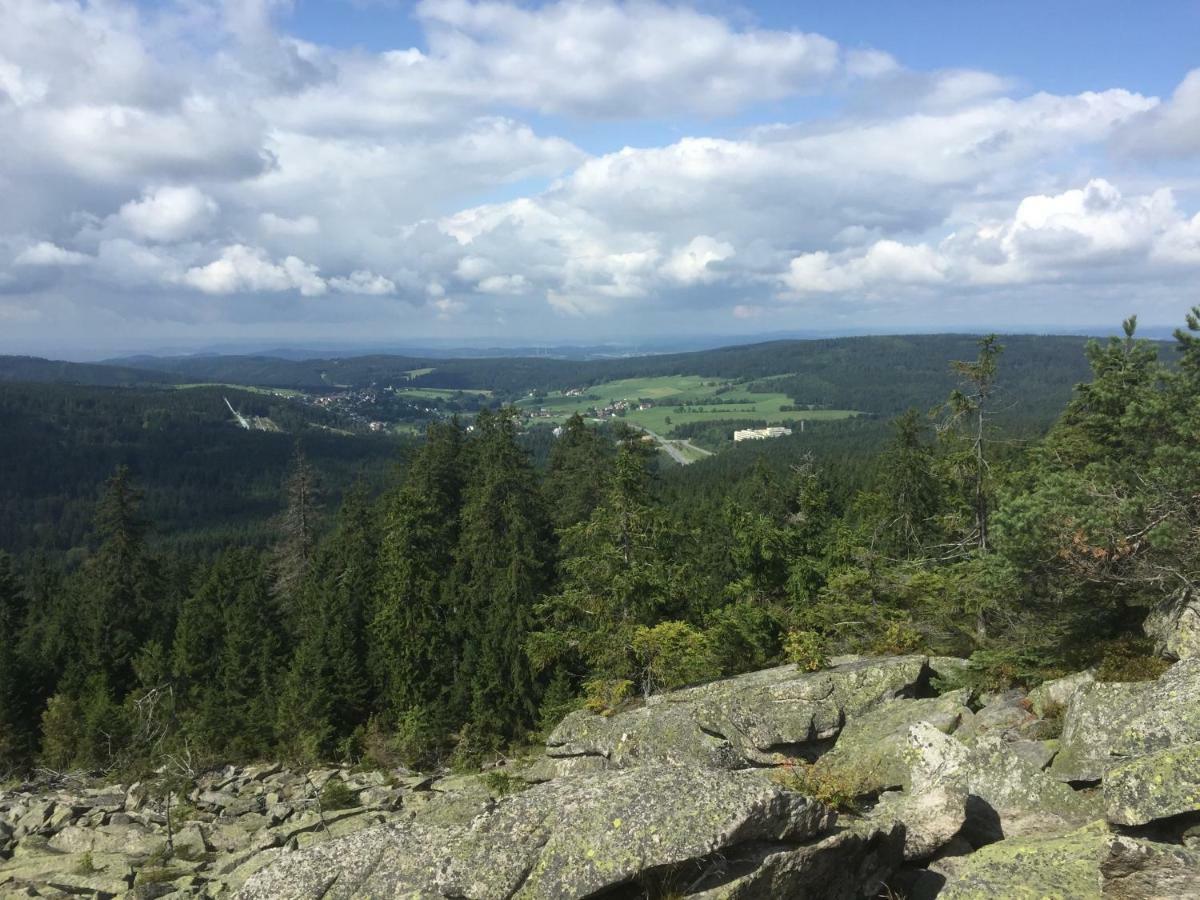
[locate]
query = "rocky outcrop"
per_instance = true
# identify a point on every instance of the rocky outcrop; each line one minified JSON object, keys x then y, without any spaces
{"x":706,"y":792}
{"x":674,"y":827}
{"x":1052,"y":697}
{"x":1108,"y":724}
{"x":754,"y":719}
{"x":876,"y":746}
{"x":113,"y":840}
{"x":1137,"y":870}
{"x":1174,"y":624}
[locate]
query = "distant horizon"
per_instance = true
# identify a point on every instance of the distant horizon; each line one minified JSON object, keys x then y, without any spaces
{"x":485,"y":347}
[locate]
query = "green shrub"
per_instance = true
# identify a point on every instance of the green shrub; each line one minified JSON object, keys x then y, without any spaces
{"x":605,"y":696}
{"x":899,"y":636}
{"x":671,"y":655}
{"x":337,"y":795}
{"x":807,"y":649}
{"x":744,"y":636}
{"x":840,"y":786}
{"x":501,"y":783}
{"x":1052,"y":714}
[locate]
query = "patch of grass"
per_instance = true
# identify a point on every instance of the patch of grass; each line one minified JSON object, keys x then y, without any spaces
{"x":337,"y":795}
{"x":1052,"y":714}
{"x":841,"y":787}
{"x":86,"y":865}
{"x":683,"y":399}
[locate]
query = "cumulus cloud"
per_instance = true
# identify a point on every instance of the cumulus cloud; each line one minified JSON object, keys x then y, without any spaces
{"x":691,"y":264}
{"x":1171,"y":129}
{"x":621,"y":59}
{"x":44,"y":253}
{"x":363,"y":282}
{"x":241,"y":268}
{"x":1080,"y":235}
{"x":169,"y":213}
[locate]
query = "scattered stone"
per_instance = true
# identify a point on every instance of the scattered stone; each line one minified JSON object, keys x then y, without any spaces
{"x":1136,"y":870}
{"x":1157,"y":786}
{"x":875,"y":745}
{"x":1174,"y":624}
{"x":1057,"y":693}
{"x":1034,"y":867}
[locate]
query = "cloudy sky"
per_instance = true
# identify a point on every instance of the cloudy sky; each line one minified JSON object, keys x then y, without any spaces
{"x":178,"y":174}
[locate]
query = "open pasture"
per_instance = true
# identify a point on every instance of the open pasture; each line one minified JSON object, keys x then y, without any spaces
{"x":679,"y":400}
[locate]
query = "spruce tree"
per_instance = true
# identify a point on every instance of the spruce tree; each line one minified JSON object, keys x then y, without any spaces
{"x":14,"y":724}
{"x":414,"y":631}
{"x":120,"y":602}
{"x":620,"y":569}
{"x":296,"y":546}
{"x":909,"y":492}
{"x":577,"y":473}
{"x":249,"y":664}
{"x":325,"y":692}
{"x":503,"y":566}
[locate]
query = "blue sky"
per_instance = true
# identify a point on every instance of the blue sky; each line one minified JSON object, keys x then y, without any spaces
{"x":192,"y":172}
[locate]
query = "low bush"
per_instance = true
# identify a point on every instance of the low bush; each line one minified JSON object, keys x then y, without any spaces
{"x":840,"y":786}
{"x":337,"y":795}
{"x":807,"y":649}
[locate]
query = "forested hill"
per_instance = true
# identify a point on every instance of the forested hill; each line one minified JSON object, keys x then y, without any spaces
{"x":882,"y":375}
{"x":206,"y":481}
{"x":54,"y":371}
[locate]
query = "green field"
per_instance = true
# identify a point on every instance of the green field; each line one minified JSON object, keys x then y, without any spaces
{"x":438,"y":393}
{"x":669,"y":392}
{"x":275,"y":392}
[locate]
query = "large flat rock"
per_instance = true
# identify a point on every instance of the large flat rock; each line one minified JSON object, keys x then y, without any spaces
{"x":563,"y":839}
{"x":755,"y":718}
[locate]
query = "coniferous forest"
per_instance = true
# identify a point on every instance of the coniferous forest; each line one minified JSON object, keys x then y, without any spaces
{"x":448,"y":613}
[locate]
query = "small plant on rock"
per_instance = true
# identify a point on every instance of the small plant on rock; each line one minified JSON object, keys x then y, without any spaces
{"x":501,"y":783}
{"x":605,"y":696}
{"x":86,"y":865}
{"x":807,"y":649}
{"x":838,"y":786}
{"x":337,"y":795}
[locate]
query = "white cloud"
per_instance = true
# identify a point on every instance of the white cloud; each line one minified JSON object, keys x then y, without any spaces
{"x":1079,"y":236}
{"x":619,"y":59}
{"x":692,"y":264}
{"x":885,"y":263}
{"x":45,"y":253}
{"x":169,"y":213}
{"x":1171,"y":129}
{"x":365,"y":283}
{"x":503,"y":284}
{"x":240,"y":269}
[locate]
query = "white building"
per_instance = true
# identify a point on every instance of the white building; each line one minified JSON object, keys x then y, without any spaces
{"x":760,"y":434}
